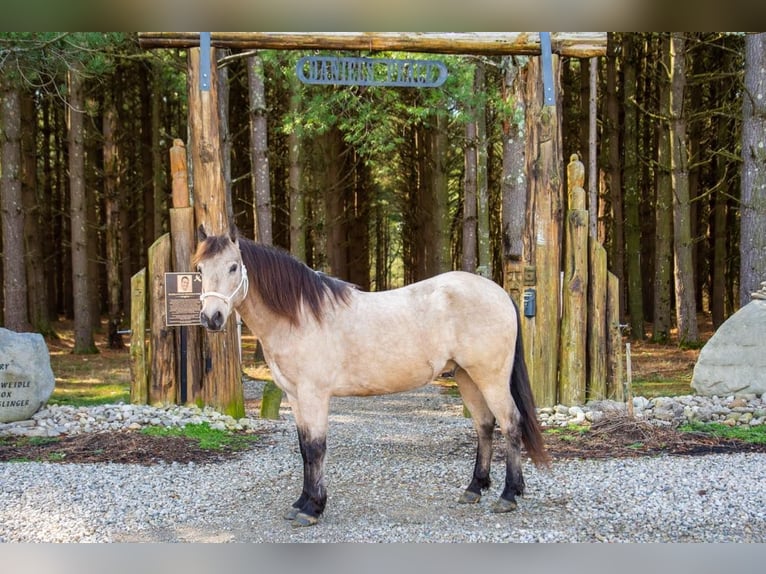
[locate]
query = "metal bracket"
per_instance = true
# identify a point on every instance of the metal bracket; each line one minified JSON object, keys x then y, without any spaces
{"x":549,"y":97}
{"x":204,"y":61}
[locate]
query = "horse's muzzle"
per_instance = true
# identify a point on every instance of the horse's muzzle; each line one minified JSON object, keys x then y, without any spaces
{"x":214,"y":323}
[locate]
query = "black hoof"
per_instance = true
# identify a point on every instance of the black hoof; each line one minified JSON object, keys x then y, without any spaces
{"x":469,"y":497}
{"x":503,"y":505}
{"x":302,"y":519}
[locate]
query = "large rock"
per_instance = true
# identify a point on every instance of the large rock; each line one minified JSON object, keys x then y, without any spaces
{"x":26,"y":378}
{"x":733,"y":361}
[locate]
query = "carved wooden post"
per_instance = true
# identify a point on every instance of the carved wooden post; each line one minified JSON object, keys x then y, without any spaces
{"x":139,"y":383}
{"x":575,"y":291}
{"x":221,"y":377}
{"x":597,"y":321}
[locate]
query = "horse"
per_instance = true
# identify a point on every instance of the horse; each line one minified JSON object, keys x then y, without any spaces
{"x":323,"y":337}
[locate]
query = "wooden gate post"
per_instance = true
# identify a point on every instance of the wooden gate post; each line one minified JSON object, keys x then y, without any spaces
{"x":545,"y":207}
{"x":221,"y":373}
{"x":183,"y":238}
{"x":163,"y":387}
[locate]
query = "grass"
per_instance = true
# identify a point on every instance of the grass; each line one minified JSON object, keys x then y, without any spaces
{"x":87,"y":380}
{"x":752,"y":435}
{"x":79,"y":394}
{"x":206,"y":437}
{"x":660,"y":386}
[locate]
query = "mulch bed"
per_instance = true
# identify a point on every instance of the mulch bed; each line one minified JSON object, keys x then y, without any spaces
{"x":623,"y":437}
{"x":612,"y":437}
{"x":115,"y":447}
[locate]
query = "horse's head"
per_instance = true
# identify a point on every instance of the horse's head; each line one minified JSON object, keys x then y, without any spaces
{"x":224,"y":277}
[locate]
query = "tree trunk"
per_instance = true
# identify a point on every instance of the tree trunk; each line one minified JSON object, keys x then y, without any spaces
{"x":159,"y":186}
{"x":296,"y":197}
{"x":35,"y":225}
{"x":663,"y":238}
{"x":382,"y":241}
{"x":469,"y":197}
{"x":359,"y":238}
{"x":632,"y":192}
{"x":484,"y":266}
{"x":112,"y":226}
{"x":12,"y":212}
{"x":224,"y":91}
{"x":439,"y":260}
{"x":614,"y":170}
{"x":259,"y":149}
{"x":752,"y":244}
{"x":146,"y":155}
{"x":719,"y":282}
{"x":514,"y":180}
{"x":334,"y":200}
{"x":686,"y":308}
{"x":81,"y":282}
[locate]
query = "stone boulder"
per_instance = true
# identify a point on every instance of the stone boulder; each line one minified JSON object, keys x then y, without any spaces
{"x":26,"y":378}
{"x":733,"y":361}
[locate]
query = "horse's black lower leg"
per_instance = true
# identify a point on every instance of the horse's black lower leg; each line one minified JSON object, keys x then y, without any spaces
{"x":480,"y":480}
{"x":514,"y":479}
{"x":311,"y":503}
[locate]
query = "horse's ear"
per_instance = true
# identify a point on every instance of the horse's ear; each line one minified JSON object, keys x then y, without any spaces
{"x":233,"y":232}
{"x":201,"y":234}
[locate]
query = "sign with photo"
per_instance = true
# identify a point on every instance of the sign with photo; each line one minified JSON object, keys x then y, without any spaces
{"x":182,"y":302}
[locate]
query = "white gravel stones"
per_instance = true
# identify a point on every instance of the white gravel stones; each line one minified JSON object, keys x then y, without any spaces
{"x":395,"y":468}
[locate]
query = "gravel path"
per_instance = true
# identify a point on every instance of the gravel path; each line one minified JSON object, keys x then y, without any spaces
{"x":396,"y":466}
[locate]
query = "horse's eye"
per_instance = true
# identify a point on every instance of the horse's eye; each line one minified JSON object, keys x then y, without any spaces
{"x":233,"y":268}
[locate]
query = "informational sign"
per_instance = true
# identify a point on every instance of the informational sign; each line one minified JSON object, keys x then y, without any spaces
{"x":182,"y":302}
{"x":349,"y":71}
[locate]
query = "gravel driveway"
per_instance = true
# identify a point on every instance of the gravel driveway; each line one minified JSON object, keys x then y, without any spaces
{"x":396,"y":466}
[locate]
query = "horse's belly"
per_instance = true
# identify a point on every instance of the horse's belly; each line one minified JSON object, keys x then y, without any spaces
{"x":387,"y":380}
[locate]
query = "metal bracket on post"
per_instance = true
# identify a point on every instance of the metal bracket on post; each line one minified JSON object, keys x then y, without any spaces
{"x":545,"y":51}
{"x":204,"y":61}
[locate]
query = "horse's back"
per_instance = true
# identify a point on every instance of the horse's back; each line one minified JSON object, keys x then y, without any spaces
{"x":454,"y":317}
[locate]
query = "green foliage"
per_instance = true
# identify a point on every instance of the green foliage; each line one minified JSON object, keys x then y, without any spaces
{"x":748,"y":434}
{"x":40,"y":60}
{"x":207,"y":437}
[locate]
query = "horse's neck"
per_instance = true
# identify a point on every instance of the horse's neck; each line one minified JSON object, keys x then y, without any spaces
{"x":260,"y":320}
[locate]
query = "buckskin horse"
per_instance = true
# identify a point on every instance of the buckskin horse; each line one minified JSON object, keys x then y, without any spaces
{"x":322,"y":337}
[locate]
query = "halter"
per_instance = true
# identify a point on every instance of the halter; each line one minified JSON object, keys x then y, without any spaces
{"x":227,"y":298}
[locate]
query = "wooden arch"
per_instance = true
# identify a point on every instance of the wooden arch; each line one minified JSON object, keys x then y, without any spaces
{"x":545,"y":220}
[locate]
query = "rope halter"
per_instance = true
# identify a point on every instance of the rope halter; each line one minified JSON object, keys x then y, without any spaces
{"x":244,"y":282}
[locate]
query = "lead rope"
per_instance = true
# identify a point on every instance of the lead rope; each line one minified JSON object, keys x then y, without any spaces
{"x":228,"y":298}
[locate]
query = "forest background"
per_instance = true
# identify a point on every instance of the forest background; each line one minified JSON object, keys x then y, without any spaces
{"x":381,"y":186}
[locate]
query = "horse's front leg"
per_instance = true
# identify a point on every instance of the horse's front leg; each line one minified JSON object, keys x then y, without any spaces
{"x":310,"y":505}
{"x":312,"y":438}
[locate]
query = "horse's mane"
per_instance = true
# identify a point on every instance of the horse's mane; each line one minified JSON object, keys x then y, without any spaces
{"x":284,"y":283}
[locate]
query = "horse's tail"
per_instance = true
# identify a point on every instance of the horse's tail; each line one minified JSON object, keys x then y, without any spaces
{"x":521,"y":391}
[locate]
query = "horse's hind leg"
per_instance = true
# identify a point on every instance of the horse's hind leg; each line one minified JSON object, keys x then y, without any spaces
{"x":484,"y":423}
{"x":497,"y":404}
{"x":514,"y":479}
